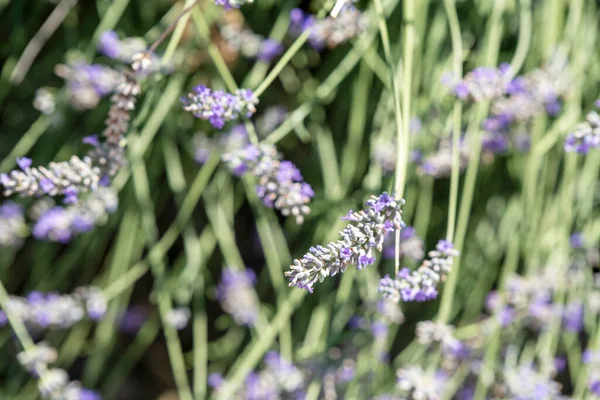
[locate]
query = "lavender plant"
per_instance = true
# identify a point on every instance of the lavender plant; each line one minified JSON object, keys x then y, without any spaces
{"x":518,"y":314}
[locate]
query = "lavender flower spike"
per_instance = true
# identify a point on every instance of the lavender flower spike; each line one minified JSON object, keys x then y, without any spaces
{"x":12,"y":224}
{"x":330,"y":31}
{"x":53,"y":180}
{"x":236,"y":294}
{"x":586,"y":135}
{"x":421,"y":284}
{"x":280,"y":183}
{"x":219,"y":107}
{"x":61,"y":224}
{"x":382,"y":215}
{"x":483,"y":83}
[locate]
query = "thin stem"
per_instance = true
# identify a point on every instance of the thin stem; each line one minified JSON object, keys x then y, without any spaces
{"x":27,"y":141}
{"x":287,"y":56}
{"x":179,"y":25}
{"x":213,"y":51}
{"x":457,"y":59}
{"x":36,"y":43}
{"x":493,"y":44}
{"x":400,"y":165}
{"x":524,"y":40}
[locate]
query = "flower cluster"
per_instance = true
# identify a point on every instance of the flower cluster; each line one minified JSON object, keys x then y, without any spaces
{"x":586,"y":135}
{"x":382,"y":215}
{"x":532,"y":94}
{"x":44,"y":101}
{"x":592,"y":359}
{"x":329,"y":32}
{"x":411,"y":245}
{"x":421,"y":284}
{"x":218,"y":106}
{"x":12,"y":225}
{"x":65,"y":177}
{"x":482,"y":84}
{"x":236,"y":294}
{"x":229,"y":4}
{"x":429,"y":332}
{"x":439,"y":164}
{"x":526,"y":383}
{"x":383,"y":153}
{"x":60,"y":224}
{"x":53,"y":383}
{"x":248,"y":43}
{"x":54,"y":310}
{"x":86,"y":84}
{"x":280,"y":183}
{"x":415,"y":383}
{"x":278,"y":379}
{"x":111,"y":46}
{"x":529,"y":301}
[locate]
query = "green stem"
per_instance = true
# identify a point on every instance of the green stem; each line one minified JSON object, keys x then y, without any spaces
{"x":493,"y":45}
{"x":524,"y":40}
{"x":457,"y":59}
{"x":401,"y":164}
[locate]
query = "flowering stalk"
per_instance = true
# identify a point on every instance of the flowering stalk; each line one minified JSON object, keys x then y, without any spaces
{"x":382,"y":215}
{"x":218,"y":106}
{"x":12,"y":225}
{"x":330,"y":31}
{"x":110,"y":156}
{"x":61,"y":224}
{"x":236,"y":294}
{"x":53,"y":310}
{"x":421,"y":284}
{"x":586,"y":135}
{"x":280,"y":183}
{"x":58,"y":178}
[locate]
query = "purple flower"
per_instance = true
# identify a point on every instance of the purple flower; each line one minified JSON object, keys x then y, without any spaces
{"x":92,"y":140}
{"x":24,"y":163}
{"x":495,"y":143}
{"x":576,"y":240}
{"x":269,"y":50}
{"x":365,"y":260}
{"x":215,"y":380}
{"x":109,"y":44}
{"x":379,"y":329}
{"x":346,"y":253}
{"x":70,"y":195}
{"x":236,"y":294}
{"x":573,"y":317}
